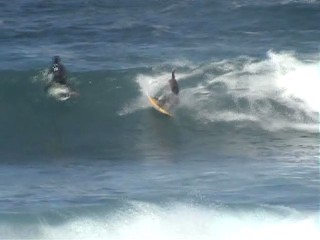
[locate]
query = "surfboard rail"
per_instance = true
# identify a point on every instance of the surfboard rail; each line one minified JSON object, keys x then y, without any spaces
{"x":155,"y":104}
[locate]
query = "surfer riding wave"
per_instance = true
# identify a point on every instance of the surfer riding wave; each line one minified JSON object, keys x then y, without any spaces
{"x":169,"y":100}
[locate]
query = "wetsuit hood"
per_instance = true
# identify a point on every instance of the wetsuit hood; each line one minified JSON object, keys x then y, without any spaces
{"x":56,"y":59}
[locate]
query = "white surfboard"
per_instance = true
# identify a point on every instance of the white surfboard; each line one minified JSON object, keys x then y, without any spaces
{"x":60,"y":92}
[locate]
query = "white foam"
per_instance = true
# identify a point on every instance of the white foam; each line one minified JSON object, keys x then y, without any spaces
{"x":148,"y":85}
{"x":182,"y":221}
{"x":299,"y":80}
{"x":280,"y":78}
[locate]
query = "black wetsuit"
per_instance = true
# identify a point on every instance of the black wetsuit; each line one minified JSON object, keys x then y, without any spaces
{"x":174,"y":85}
{"x":59,"y":73}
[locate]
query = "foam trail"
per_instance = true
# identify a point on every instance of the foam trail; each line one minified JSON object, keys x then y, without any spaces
{"x":148,"y":85}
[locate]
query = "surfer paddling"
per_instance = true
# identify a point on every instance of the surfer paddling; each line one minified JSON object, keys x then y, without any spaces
{"x":59,"y":79}
{"x":58,"y":71}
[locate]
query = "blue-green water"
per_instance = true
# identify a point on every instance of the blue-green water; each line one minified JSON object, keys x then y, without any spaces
{"x":239,"y":159}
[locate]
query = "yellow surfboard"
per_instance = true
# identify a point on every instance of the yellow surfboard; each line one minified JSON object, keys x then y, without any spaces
{"x":155,"y":105}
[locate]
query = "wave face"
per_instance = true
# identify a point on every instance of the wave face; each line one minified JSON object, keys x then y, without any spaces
{"x":244,"y":94}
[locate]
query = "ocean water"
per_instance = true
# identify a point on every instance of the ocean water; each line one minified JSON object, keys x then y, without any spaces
{"x":239,"y":159}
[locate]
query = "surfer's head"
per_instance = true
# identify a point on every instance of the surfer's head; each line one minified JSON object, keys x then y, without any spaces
{"x":56,"y":59}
